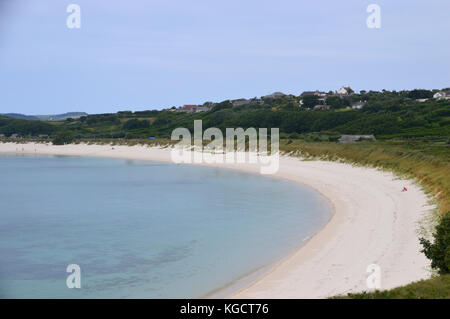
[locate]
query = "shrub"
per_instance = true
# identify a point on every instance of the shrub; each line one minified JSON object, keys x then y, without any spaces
{"x":439,"y":251}
{"x":63,"y":138}
{"x":136,"y":124}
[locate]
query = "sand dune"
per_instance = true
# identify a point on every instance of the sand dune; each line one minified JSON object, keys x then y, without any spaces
{"x":374,"y":222}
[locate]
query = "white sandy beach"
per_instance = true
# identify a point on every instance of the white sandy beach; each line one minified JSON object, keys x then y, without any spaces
{"x":373,"y":222}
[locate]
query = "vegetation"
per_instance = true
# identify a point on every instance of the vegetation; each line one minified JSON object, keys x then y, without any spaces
{"x":64,"y":137}
{"x":438,"y":251}
{"x":388,"y":115}
{"x":426,"y":160}
{"x":434,"y":288}
{"x":412,"y":131}
{"x":9,"y":126}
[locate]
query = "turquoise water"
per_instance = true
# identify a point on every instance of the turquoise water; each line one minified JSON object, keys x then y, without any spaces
{"x":142,"y":229}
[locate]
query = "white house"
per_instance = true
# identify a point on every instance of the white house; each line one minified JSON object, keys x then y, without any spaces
{"x":442,"y":95}
{"x":438,"y":95}
{"x":345,"y":90}
{"x":342,"y":91}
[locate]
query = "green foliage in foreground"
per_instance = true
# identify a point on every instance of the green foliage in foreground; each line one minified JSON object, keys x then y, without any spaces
{"x":62,"y":138}
{"x":438,"y":251}
{"x":434,"y":288}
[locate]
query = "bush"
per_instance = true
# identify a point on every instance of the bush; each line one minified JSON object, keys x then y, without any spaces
{"x":439,"y":251}
{"x":63,"y":138}
{"x":136,"y":124}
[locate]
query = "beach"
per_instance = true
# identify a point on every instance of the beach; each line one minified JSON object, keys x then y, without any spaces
{"x":374,"y":222}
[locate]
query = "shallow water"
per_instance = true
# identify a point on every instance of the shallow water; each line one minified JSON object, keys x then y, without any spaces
{"x":142,"y":229}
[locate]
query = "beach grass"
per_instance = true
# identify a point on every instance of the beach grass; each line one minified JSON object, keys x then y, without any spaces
{"x":427,"y":162}
{"x":434,"y":288}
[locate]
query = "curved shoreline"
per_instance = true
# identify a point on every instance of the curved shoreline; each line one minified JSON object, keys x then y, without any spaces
{"x":372,"y":222}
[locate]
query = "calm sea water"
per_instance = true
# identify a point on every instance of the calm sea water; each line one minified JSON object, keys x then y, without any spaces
{"x":142,"y":229}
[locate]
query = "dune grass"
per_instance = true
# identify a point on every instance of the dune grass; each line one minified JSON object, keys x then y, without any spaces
{"x":434,"y":288}
{"x":426,"y":162}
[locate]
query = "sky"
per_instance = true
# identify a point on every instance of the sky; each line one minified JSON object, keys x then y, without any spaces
{"x":140,"y":55}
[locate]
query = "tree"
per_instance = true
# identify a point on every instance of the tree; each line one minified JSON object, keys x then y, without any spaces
{"x":310,"y":101}
{"x":135,"y":123}
{"x":222,"y":105}
{"x":289,"y":106}
{"x":439,"y":251}
{"x":420,"y":94}
{"x":62,"y":138}
{"x":349,"y":90}
{"x":335,"y":102}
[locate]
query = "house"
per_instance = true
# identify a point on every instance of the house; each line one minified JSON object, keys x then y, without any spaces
{"x":191,"y":108}
{"x":438,"y":95}
{"x":256,"y":100}
{"x":209,"y":105}
{"x":320,"y":93}
{"x":321,"y":107}
{"x":2,"y":135}
{"x":240,"y":102}
{"x":202,"y":109}
{"x":15,"y":135}
{"x":43,"y":136}
{"x":355,"y":138}
{"x":441,"y":95}
{"x":358,"y":105}
{"x":345,"y":90}
{"x":276,"y":95}
{"x":316,"y":93}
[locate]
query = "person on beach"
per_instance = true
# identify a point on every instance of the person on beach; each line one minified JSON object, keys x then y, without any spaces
{"x":404,"y":189}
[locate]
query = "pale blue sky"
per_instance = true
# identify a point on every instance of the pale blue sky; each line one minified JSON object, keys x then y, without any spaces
{"x":137,"y":55}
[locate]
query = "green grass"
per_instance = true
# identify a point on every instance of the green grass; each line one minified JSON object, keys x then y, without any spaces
{"x":427,"y":162}
{"x":435,"y":288}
